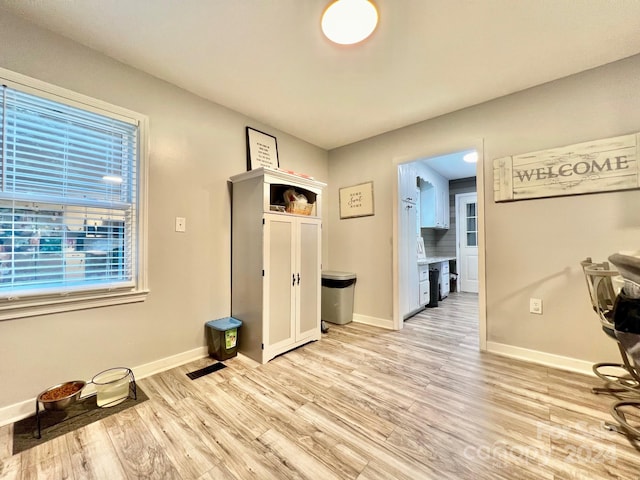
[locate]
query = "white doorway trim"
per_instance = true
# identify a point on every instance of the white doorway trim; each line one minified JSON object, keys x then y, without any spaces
{"x":475,"y":144}
{"x":482,"y":290}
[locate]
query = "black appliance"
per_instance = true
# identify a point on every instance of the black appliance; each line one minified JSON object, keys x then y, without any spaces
{"x":434,"y":287}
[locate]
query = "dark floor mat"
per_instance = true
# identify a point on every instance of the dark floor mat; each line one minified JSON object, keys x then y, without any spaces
{"x":206,"y":370}
{"x":56,"y":423}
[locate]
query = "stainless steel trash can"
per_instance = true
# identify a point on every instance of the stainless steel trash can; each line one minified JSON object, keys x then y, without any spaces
{"x":337,"y":296}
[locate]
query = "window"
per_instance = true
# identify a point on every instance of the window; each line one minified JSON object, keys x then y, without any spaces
{"x":71,"y":200}
{"x":472,"y":225}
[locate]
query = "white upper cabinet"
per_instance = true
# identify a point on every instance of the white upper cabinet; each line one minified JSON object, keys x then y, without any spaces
{"x":407,"y":183}
{"x":428,"y":204}
{"x":434,"y":199}
{"x":443,"y":206}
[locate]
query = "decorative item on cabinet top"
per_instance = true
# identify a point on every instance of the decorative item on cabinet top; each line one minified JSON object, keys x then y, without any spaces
{"x":296,"y":203}
{"x":272,"y":186}
{"x":262,"y":150}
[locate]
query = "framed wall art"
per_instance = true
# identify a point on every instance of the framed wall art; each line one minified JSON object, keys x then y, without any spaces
{"x":602,"y":165}
{"x":356,"y":201}
{"x":262,"y":150}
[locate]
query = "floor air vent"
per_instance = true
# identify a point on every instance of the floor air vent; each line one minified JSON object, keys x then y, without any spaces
{"x":206,"y":370}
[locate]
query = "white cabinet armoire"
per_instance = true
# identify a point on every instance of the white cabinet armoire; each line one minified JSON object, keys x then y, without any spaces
{"x":275,"y":263}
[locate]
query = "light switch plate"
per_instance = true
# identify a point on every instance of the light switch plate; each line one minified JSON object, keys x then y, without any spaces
{"x":181,"y":224}
{"x":535,"y":306}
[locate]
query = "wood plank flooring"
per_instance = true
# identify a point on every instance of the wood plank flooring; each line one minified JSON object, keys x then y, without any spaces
{"x":363,"y":403}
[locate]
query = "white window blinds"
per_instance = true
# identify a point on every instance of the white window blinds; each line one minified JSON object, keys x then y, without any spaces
{"x":67,"y":197}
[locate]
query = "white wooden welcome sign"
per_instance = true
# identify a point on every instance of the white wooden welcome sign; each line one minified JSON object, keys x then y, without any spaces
{"x":597,"y":166}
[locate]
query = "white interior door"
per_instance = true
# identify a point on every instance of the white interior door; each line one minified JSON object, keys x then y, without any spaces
{"x":467,"y":230}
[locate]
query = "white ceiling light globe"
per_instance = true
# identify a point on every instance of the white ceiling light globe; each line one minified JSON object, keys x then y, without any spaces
{"x":349,"y":21}
{"x":471,"y":157}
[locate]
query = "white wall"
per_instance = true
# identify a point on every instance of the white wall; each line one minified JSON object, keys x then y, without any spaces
{"x":195,"y":146}
{"x":533,"y":248}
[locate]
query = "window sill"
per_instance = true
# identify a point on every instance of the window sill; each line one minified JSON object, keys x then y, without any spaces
{"x":45,"y":306}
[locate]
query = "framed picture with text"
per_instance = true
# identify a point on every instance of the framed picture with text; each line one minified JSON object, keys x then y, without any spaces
{"x":356,"y":201}
{"x":262,"y":150}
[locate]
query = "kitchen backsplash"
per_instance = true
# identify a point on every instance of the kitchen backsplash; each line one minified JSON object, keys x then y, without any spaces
{"x":435,"y":244}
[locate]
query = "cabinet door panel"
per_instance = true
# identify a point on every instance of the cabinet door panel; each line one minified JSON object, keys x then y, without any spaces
{"x":427,"y":205}
{"x":424,"y":293}
{"x":407,"y":183}
{"x":444,"y":206}
{"x":309,"y":288}
{"x":423,"y":273}
{"x":410,"y":297}
{"x":279,"y":266}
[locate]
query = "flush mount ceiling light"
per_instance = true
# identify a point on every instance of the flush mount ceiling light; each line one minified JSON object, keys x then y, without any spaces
{"x":349,"y":21}
{"x":471,"y":157}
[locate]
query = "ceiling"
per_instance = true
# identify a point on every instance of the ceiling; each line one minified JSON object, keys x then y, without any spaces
{"x":452,"y":166}
{"x":269,"y":61}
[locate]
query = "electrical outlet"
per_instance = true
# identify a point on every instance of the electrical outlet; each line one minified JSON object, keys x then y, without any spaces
{"x":181,"y":224}
{"x":535,"y":306}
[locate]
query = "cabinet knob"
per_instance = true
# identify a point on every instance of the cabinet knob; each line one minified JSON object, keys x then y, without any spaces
{"x":293,"y":279}
{"x":298,"y":279}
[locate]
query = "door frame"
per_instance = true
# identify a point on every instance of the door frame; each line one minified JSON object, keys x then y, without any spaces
{"x":459,"y":231}
{"x":471,"y":144}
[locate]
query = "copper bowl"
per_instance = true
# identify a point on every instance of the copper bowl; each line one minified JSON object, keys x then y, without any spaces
{"x":61,"y":396}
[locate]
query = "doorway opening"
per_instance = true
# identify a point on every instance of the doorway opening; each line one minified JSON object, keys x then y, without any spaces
{"x":439,"y":227}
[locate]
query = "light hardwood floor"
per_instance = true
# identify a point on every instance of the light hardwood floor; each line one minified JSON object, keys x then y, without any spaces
{"x":363,"y":403}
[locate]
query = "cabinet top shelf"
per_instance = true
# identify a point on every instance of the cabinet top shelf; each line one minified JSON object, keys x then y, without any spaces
{"x":278,"y":176}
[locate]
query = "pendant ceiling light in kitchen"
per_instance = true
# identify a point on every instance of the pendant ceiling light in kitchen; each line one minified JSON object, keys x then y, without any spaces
{"x":349,"y":21}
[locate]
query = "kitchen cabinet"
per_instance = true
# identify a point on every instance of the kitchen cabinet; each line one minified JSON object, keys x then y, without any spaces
{"x":410,"y":295}
{"x":434,"y":201}
{"x":408,"y":184}
{"x":444,"y":279}
{"x":423,"y":285}
{"x":443,"y":207}
{"x":276,"y":264}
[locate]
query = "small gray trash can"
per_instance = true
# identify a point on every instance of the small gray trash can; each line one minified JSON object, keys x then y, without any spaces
{"x":337,"y":296}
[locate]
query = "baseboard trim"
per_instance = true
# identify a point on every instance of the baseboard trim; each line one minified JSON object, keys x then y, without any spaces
{"x":374,"y":321}
{"x":541,"y":358}
{"x":26,"y":408}
{"x":157,"y":366}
